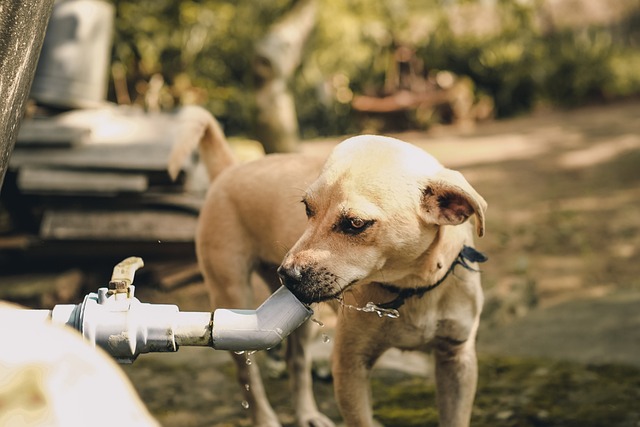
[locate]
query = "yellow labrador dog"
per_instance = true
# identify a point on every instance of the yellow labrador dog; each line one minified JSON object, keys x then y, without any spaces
{"x":382,"y":227}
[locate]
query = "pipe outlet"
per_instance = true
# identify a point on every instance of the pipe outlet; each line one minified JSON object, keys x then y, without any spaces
{"x":261,"y":329}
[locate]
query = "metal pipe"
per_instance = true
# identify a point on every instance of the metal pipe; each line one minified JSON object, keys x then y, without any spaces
{"x":22,"y":30}
{"x":124,"y":327}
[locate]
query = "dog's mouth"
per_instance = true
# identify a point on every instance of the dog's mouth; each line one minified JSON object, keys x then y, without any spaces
{"x":312,"y":286}
{"x":310,"y":295}
{"x":317,"y":292}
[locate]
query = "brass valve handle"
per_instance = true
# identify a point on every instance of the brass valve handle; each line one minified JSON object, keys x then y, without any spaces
{"x":123,"y":274}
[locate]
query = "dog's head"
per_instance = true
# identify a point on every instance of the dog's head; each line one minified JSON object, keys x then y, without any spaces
{"x":373,"y":212}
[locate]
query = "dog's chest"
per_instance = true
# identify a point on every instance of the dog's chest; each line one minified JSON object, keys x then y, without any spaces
{"x":413,"y":329}
{"x":420,"y":324}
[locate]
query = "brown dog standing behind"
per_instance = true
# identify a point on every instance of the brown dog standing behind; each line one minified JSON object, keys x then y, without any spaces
{"x":387,"y":224}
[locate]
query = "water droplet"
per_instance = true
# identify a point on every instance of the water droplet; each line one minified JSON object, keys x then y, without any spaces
{"x":239,"y":352}
{"x":245,"y":404}
{"x":247,"y":387}
{"x":248,"y":355}
{"x":326,"y":338}
{"x":317,"y":322}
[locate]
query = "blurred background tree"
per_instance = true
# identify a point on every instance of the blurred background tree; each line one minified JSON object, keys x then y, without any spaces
{"x":519,"y":53}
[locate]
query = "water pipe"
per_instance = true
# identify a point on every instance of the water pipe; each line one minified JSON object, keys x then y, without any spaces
{"x":124,"y":327}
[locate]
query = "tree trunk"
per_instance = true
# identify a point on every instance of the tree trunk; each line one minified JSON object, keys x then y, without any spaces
{"x":278,"y":55}
{"x":22,"y":29}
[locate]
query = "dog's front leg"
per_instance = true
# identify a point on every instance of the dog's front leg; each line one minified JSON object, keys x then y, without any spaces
{"x":299,"y":361}
{"x":456,"y":379}
{"x":354,"y":353}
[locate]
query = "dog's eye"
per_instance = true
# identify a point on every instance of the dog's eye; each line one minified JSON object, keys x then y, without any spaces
{"x":307,"y":209}
{"x":356,"y":223}
{"x":353,"y":225}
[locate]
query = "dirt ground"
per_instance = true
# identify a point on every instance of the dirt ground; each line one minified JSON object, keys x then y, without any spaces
{"x":560,"y":340}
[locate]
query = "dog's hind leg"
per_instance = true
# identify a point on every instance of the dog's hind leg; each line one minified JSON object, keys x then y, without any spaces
{"x":248,"y":374}
{"x":299,"y":364}
{"x":255,"y":397}
{"x":227,"y":272}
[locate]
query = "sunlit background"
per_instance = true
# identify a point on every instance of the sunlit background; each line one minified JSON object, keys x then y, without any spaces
{"x":534,"y":101}
{"x":516,"y":55}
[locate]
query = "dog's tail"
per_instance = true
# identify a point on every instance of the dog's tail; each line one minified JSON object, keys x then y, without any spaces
{"x":198,"y":128}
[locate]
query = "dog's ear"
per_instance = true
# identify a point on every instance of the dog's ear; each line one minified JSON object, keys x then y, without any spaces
{"x":448,"y":199}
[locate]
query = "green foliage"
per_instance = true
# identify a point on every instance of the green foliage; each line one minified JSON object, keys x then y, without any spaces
{"x":210,"y":42}
{"x":521,"y":65}
{"x":580,"y":67}
{"x":204,"y":50}
{"x":500,"y":63}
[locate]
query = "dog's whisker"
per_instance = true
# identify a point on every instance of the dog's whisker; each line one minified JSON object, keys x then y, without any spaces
{"x":347,"y":287}
{"x":282,"y":246}
{"x":297,"y":197}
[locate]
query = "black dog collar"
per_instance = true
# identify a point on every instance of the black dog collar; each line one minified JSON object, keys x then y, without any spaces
{"x":467,"y":254}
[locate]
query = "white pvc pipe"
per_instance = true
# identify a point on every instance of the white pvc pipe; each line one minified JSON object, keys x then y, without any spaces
{"x":192,"y":328}
{"x":261,"y":329}
{"x":125,"y":327}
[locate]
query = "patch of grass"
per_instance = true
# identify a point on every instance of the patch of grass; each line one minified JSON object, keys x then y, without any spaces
{"x":523,"y":393}
{"x":403,"y":402}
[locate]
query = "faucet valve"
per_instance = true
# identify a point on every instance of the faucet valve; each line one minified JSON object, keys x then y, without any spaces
{"x":122,"y":276}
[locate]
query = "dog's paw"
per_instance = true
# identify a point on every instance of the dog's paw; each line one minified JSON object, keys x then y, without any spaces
{"x":315,"y":420}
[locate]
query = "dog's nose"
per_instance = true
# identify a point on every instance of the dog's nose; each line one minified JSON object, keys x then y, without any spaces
{"x":290,"y":276}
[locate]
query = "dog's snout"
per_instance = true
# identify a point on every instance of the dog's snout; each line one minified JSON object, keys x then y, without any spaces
{"x":290,"y":276}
